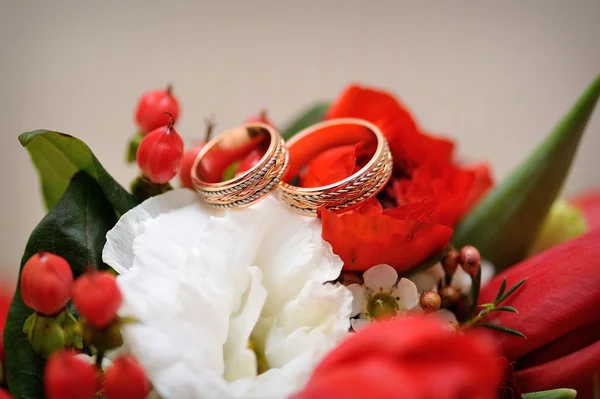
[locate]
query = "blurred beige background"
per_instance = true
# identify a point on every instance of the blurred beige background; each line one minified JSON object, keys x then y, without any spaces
{"x":494,"y":75}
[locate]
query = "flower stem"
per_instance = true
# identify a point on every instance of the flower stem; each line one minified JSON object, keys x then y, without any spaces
{"x":99,"y":359}
{"x":487,"y":310}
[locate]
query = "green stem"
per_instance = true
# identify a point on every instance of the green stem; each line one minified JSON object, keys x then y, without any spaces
{"x":99,"y":359}
{"x":479,"y":316}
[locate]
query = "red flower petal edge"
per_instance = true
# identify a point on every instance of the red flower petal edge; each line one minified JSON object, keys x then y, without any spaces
{"x":427,"y":194}
{"x":559,"y":312}
{"x":410,"y":358}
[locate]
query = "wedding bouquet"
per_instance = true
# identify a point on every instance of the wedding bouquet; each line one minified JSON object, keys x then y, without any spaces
{"x":347,"y":255}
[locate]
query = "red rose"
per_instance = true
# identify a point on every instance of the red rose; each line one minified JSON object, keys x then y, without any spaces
{"x":426,"y":197}
{"x":559,"y":312}
{"x":409,"y":358}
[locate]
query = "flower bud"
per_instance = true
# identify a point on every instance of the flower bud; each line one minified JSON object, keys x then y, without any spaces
{"x":160,"y":153}
{"x":46,"y":282}
{"x":430,"y":301}
{"x":153,"y":108}
{"x":450,"y":263}
{"x":348,"y":278}
{"x":66,"y":376}
{"x":469,"y":259}
{"x":185,"y":172}
{"x":450,"y":296}
{"x":4,"y":394}
{"x":125,"y":379}
{"x":97,"y":298}
{"x":262,"y":118}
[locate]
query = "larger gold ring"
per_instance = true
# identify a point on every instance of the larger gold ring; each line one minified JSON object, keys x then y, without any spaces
{"x":346,"y":193}
{"x":216,"y":160}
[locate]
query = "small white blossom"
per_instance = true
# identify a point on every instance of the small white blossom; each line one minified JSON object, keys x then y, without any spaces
{"x":381,"y":296}
{"x":428,"y":280}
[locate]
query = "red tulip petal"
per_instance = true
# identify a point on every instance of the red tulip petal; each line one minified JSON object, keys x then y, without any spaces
{"x":400,"y":237}
{"x":560,"y":296}
{"x":410,"y":358}
{"x":574,"y":371}
{"x":589,"y":203}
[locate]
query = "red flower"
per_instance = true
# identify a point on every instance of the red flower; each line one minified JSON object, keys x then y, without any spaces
{"x":559,"y":312}
{"x":409,"y":358}
{"x":428,"y":194}
{"x":589,"y":203}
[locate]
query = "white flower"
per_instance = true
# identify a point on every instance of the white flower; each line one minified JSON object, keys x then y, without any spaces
{"x":428,"y":280}
{"x":232,"y":304}
{"x":380,"y":296}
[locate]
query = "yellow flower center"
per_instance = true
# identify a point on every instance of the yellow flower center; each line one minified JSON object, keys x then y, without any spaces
{"x":382,"y":305}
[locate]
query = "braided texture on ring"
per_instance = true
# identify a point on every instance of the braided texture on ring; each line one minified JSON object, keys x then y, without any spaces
{"x":338,"y":198}
{"x":259,"y":184}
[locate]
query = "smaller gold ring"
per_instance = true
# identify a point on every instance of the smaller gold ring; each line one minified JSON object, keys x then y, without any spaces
{"x":217,"y":157}
{"x":344,"y":194}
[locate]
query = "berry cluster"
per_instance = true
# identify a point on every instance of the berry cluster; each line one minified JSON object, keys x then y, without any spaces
{"x":159,"y":150}
{"x":47,"y":285}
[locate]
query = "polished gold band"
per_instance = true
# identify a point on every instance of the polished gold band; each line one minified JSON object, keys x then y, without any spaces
{"x":344,"y":194}
{"x":254,"y":184}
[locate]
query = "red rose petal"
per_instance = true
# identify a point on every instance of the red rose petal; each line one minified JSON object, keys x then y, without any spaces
{"x":368,"y":236}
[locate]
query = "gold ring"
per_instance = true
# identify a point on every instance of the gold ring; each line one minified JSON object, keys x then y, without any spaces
{"x":222,"y":154}
{"x":346,"y":193}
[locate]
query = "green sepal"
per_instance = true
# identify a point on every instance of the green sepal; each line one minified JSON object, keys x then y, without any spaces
{"x":562,"y":393}
{"x":58,"y":156}
{"x":132,"y":147}
{"x":143,"y":188}
{"x":505,"y":223}
{"x":76,"y":230}
{"x":310,"y":116}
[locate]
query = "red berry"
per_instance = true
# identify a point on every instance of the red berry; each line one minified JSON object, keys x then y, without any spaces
{"x":46,"y":283}
{"x":261,"y":117}
{"x":152,"y":107}
{"x":97,"y":297}
{"x":66,"y":376}
{"x":125,"y":379}
{"x":469,"y":259}
{"x":249,"y":161}
{"x":4,"y":394}
{"x":160,"y":153}
{"x":185,"y":173}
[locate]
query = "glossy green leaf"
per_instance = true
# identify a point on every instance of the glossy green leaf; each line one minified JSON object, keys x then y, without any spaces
{"x":504,"y":224}
{"x":562,"y":393}
{"x":502,"y":329}
{"x":58,"y":156}
{"x":76,"y":230}
{"x":312,"y":115}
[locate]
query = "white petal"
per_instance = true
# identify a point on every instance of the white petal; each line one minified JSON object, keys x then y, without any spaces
{"x":192,"y":276}
{"x":407,"y":292}
{"x":436,"y":271}
{"x":172,"y":208}
{"x":358,"y":299}
{"x":424,"y":282}
{"x":380,"y":277}
{"x":358,"y":324}
{"x":487,"y":271}
{"x":462,"y":281}
{"x":446,"y":315}
{"x":240,"y":360}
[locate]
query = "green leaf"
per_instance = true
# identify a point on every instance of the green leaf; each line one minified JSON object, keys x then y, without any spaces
{"x":511,"y":290}
{"x":500,"y":292}
{"x":76,"y":230}
{"x":507,"y":309}
{"x":312,"y":115}
{"x":563,"y":393}
{"x":505,"y":223}
{"x":501,"y":328}
{"x":58,"y":156}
